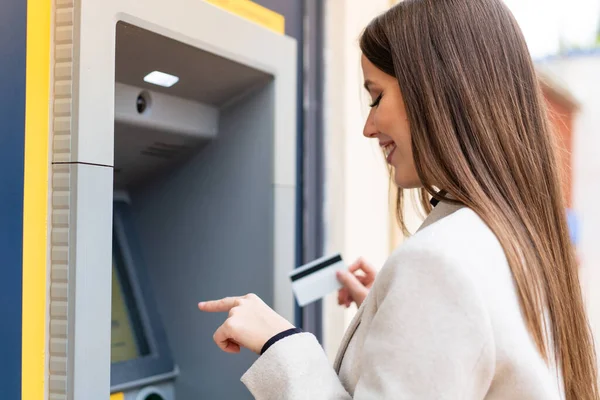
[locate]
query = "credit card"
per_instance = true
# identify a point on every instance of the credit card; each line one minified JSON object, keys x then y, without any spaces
{"x":317,"y":279}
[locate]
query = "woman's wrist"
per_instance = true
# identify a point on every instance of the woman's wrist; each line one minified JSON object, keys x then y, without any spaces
{"x":278,"y":337}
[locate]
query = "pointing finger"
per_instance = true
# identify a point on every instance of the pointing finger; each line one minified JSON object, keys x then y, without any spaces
{"x":222,"y":305}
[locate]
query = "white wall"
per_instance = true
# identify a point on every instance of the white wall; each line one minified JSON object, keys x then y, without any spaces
{"x":573,"y":22}
{"x":580,"y":76}
{"x":357,"y":211}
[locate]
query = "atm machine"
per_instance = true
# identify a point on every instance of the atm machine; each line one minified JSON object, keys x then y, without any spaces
{"x":193,"y":212}
{"x":178,"y":186}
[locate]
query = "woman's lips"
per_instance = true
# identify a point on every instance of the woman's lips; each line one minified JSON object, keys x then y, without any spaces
{"x":388,"y":150}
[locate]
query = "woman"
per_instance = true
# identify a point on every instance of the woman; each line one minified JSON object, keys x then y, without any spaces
{"x":484,"y":301}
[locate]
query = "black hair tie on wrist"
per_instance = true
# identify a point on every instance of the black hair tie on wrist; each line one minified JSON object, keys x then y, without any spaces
{"x":278,"y":337}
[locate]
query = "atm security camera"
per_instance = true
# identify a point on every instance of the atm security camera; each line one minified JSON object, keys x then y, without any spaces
{"x":142,"y":102}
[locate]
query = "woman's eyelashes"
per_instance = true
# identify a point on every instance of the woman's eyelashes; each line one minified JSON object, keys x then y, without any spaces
{"x":376,"y":102}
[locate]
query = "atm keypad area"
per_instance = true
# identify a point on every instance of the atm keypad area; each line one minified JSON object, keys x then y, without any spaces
{"x":193,"y":207}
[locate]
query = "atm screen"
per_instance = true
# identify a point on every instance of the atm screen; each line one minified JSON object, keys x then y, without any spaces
{"x":123,"y":346}
{"x":127,"y":339}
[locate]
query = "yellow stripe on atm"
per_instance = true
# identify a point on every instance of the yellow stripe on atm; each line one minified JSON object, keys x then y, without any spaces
{"x":35,"y":199}
{"x":253,"y":12}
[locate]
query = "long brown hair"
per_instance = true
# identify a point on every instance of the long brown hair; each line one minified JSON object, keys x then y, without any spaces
{"x":480,"y":132}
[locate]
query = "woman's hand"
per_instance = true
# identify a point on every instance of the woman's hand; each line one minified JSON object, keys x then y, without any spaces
{"x":251,"y":323}
{"x":357,"y":281}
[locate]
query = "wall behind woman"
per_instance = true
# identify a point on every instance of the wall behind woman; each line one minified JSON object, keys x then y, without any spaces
{"x":578,"y":71}
{"x":357,"y":210}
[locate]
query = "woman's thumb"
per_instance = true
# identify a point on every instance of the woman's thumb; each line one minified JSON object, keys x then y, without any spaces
{"x":351,"y":282}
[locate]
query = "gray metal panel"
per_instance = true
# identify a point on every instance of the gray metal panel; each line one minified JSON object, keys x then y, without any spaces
{"x":59,"y":280}
{"x":165,"y":112}
{"x":90,"y":271}
{"x":204,"y":77}
{"x":285,"y":238}
{"x":312,"y":315}
{"x":166,"y":132}
{"x":207,"y":231}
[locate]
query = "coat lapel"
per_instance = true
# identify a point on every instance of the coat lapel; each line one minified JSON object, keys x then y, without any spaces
{"x":347,"y":336}
{"x":441,"y":211}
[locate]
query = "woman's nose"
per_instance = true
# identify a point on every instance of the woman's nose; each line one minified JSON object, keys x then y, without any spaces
{"x":370,"y":131}
{"x":369,"y":134}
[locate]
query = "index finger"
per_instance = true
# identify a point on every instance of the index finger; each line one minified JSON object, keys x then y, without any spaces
{"x":222,"y":305}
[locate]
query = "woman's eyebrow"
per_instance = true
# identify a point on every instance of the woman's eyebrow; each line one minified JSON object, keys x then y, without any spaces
{"x":368,"y":84}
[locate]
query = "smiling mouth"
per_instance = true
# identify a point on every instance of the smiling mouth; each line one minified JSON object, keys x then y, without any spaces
{"x":388,"y":150}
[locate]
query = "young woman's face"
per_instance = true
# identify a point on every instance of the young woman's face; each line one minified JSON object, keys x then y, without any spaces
{"x":387,"y":122}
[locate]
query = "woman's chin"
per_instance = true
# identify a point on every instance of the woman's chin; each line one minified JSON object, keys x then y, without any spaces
{"x":404,"y":181}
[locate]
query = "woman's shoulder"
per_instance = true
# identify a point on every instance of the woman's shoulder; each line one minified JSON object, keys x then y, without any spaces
{"x":453,"y":248}
{"x":461,"y":233}
{"x":437,"y":263}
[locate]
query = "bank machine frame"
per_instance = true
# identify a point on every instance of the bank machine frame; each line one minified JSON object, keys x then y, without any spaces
{"x":83,"y":161}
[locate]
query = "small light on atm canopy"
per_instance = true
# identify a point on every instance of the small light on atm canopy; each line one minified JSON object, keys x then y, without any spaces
{"x":161,"y":79}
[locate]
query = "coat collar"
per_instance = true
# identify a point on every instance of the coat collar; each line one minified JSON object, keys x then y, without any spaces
{"x":441,"y":211}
